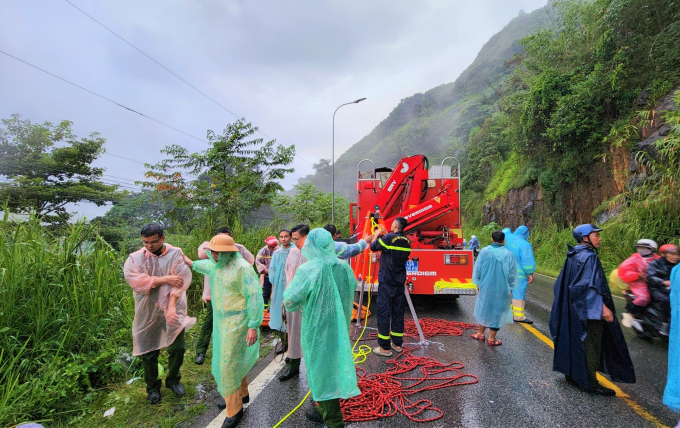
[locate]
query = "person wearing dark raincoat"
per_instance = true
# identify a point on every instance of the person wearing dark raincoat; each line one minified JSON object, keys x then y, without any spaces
{"x":583,"y":323}
{"x":324,"y":286}
{"x":658,"y":281}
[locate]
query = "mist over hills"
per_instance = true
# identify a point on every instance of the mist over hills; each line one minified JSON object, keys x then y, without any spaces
{"x":437,"y":123}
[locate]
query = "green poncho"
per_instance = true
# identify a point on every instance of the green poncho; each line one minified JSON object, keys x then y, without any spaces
{"x":324,"y":286}
{"x":237,"y":306}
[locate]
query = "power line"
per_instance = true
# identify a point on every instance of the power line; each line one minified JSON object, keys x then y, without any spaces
{"x":166,"y":68}
{"x":103,"y":97}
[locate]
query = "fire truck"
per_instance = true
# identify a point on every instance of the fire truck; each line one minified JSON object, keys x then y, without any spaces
{"x":429,"y":199}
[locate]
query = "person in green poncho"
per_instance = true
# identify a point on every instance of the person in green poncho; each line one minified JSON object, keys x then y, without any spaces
{"x":324,"y":287}
{"x":237,"y":315}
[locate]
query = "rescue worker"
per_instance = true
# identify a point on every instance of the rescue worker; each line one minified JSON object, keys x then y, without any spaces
{"x":395,"y":248}
{"x":159,"y":279}
{"x":262,"y":262}
{"x":586,"y":334}
{"x":294,"y":318}
{"x":238,"y":311}
{"x":671,"y":395}
{"x":633,"y":271}
{"x":325,"y":286}
{"x":658,"y":281}
{"x":495,"y":275}
{"x":207,"y":327}
{"x":526,"y":266}
{"x":473,"y":245}
{"x":345,"y":251}
{"x":277,"y":275}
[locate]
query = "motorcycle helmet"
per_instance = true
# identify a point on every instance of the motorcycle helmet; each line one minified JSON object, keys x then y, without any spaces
{"x":647,"y":243}
{"x":668,"y":248}
{"x":584,"y":230}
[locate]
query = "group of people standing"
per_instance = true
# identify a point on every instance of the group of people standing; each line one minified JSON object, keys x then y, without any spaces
{"x":302,"y":268}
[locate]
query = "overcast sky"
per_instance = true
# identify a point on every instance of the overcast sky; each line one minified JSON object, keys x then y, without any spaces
{"x":283,"y":65}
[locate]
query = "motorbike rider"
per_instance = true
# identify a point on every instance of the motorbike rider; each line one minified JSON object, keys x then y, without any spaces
{"x":658,"y":281}
{"x":474,"y":245}
{"x":634,"y":272}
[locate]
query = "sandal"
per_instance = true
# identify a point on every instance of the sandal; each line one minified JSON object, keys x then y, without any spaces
{"x":477,"y":337}
{"x":396,"y":349}
{"x":380,"y":351}
{"x":495,"y":343}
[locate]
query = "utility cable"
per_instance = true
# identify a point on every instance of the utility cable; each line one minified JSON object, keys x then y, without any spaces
{"x":104,"y":98}
{"x":166,"y":68}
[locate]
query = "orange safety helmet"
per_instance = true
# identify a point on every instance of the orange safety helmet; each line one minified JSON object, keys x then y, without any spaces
{"x":668,"y":248}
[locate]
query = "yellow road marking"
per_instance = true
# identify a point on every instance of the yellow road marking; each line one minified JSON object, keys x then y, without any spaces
{"x":605,"y":382}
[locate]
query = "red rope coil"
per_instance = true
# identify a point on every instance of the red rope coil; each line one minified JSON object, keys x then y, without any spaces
{"x":385,"y":394}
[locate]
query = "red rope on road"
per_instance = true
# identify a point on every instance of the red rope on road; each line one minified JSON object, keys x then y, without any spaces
{"x":385,"y":394}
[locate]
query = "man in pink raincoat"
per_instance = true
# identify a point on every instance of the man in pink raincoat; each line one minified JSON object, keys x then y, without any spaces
{"x":159,"y":279}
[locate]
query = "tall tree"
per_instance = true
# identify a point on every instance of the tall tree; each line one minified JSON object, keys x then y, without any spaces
{"x":235,"y":175}
{"x":47,"y":167}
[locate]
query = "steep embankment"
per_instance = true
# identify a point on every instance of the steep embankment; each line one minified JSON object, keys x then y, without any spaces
{"x":437,"y":123}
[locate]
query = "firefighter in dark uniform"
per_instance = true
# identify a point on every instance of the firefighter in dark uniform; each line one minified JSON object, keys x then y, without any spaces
{"x":395,"y":248}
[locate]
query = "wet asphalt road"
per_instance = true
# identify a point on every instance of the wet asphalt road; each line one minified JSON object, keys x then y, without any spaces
{"x":517,"y":387}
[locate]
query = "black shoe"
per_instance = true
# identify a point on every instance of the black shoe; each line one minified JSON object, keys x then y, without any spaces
{"x":221,"y":404}
{"x":281,"y":349}
{"x":289,"y":374}
{"x":246,"y":399}
{"x":233,"y":421}
{"x":178,"y":389}
{"x":154,"y":397}
{"x":200,"y":358}
{"x":314,"y":415}
{"x":525,"y":321}
{"x":601,"y":390}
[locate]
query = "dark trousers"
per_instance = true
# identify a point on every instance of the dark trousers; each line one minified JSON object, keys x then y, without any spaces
{"x":175,"y":360}
{"x":390,"y":315}
{"x":266,"y":289}
{"x":332,"y":416}
{"x":662,"y":302}
{"x":593,"y":346}
{"x":206,"y":330}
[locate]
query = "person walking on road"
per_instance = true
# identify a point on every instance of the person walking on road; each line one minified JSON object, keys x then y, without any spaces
{"x":277,"y":275}
{"x":473,"y":245}
{"x":294,"y":318}
{"x":207,"y":327}
{"x":495,"y":275}
{"x":658,"y":280}
{"x":262,"y":262}
{"x":159,"y":279}
{"x":238,"y":311}
{"x":633,"y":271}
{"x":671,"y":395}
{"x":526,"y":266}
{"x":586,"y":333}
{"x":395,"y":249}
{"x":325,"y":286}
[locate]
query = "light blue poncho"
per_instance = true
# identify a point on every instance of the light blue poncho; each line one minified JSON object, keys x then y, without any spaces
{"x":495,"y":273}
{"x":671,"y":396}
{"x":277,"y":276}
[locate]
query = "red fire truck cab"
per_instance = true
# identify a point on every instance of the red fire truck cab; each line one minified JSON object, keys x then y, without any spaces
{"x":429,"y":199}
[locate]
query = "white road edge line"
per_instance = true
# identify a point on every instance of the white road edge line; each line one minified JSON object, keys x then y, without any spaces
{"x":255,"y":387}
{"x":552,"y":277}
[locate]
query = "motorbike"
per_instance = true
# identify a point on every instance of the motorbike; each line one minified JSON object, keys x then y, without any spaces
{"x":646,"y":324}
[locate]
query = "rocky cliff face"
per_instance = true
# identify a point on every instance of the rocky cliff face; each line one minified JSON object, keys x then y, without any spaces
{"x":618,"y":171}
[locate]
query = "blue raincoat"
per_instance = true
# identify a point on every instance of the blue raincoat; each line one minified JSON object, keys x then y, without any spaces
{"x":277,"y":276}
{"x":671,"y":396}
{"x":581,"y":289}
{"x":324,"y":286}
{"x":473,"y":244}
{"x":524,"y":255}
{"x":495,"y":273}
{"x":346,"y":251}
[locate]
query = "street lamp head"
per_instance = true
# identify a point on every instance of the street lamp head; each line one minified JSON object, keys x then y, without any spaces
{"x":359,"y":100}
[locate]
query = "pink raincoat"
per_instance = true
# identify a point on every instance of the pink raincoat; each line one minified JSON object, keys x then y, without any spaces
{"x":149,"y":328}
{"x":633,"y":271}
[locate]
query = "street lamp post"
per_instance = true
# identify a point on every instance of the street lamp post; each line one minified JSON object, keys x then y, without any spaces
{"x":333,"y":159}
